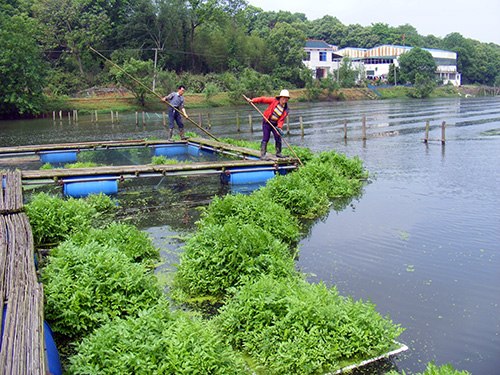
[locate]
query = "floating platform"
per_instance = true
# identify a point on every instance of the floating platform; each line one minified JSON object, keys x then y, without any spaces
{"x":242,"y":166}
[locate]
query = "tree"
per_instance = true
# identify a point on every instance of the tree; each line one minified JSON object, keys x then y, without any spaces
{"x":142,"y":71}
{"x":416,"y":61}
{"x":394,"y":75}
{"x":347,"y":74}
{"x":21,"y":66}
{"x":423,"y":86}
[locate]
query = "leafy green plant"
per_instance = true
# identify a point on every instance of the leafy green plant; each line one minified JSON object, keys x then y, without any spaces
{"x":432,"y":369}
{"x":299,"y":196}
{"x":88,"y":286}
{"x":127,"y":238}
{"x":221,"y":257}
{"x":46,"y":166}
{"x":81,"y":164}
{"x":53,"y":219}
{"x":157,"y":342}
{"x":159,"y":160}
{"x":288,"y":326}
{"x":252,"y":209}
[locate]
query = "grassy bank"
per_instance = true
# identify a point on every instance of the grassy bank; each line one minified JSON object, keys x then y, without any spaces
{"x":127,"y":102}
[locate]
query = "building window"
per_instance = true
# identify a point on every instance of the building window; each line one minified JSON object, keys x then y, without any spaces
{"x":322,"y":56}
{"x":308,"y":56}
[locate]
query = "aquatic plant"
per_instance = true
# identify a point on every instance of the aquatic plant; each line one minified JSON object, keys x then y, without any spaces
{"x":88,"y":285}
{"x":219,"y":258}
{"x":289,"y":326}
{"x":157,"y":342}
{"x":256,"y":209}
{"x":158,"y":160}
{"x":131,"y":241}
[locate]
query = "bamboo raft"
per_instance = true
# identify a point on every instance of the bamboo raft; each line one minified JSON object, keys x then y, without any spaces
{"x":21,"y":295}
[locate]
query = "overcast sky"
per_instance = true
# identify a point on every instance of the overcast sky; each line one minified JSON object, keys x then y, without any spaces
{"x":479,"y":19}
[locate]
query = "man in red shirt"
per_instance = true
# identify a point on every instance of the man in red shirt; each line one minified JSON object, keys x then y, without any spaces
{"x":275,"y":113}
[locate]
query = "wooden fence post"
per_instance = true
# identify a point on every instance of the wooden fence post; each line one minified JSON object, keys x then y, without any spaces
{"x":238,"y":122}
{"x":301,"y":127}
{"x":345,"y":129}
{"x":427,"y":127}
{"x":96,"y":119}
{"x":143,"y":118}
{"x":112,"y":117}
{"x":199,"y":120}
{"x":443,"y":131}
{"x":136,"y":118}
{"x":209,"y":122}
{"x":363,"y":128}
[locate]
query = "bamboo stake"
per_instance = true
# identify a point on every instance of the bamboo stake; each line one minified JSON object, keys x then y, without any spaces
{"x":345,"y":129}
{"x":443,"y":131}
{"x":427,"y":126}
{"x":363,"y":128}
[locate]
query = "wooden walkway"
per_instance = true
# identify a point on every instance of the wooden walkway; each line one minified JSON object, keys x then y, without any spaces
{"x":21,"y":295}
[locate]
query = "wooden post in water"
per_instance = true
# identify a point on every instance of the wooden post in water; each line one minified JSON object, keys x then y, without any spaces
{"x":69,"y":117}
{"x":112,"y":118}
{"x":443,"y":131}
{"x":199,"y":120}
{"x":427,"y":127}
{"x":116,"y":117}
{"x":60,"y":115}
{"x":136,"y":118}
{"x":238,"y":122}
{"x":164,"y":117}
{"x":250,"y":122}
{"x":143,"y":118}
{"x":96,"y":119}
{"x":209,"y":123}
{"x":301,"y":127}
{"x":345,"y":129}
{"x":288,"y":125}
{"x":363,"y":128}
{"x":54,"y":116}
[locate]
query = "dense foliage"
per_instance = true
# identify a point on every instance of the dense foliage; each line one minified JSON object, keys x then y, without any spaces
{"x":289,"y":326}
{"x":54,"y":219}
{"x":157,"y":342}
{"x":208,"y":45}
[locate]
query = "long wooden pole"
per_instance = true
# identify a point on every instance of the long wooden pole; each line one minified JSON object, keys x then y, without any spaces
{"x":153,"y":92}
{"x":274,"y":128}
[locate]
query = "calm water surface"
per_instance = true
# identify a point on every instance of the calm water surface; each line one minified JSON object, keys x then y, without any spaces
{"x":423,"y":240}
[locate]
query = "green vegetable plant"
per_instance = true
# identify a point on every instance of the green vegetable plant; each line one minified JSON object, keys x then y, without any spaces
{"x":256,"y":209}
{"x":219,"y":258}
{"x":289,"y":326}
{"x":157,"y":342}
{"x":131,"y":241}
{"x":90,"y":285}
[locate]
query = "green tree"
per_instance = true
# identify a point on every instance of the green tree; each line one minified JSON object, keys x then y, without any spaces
{"x":142,"y":71}
{"x":347,"y":74}
{"x":416,"y":61}
{"x":286,"y":50}
{"x":21,"y":66}
{"x":394,"y":74}
{"x":423,"y":86}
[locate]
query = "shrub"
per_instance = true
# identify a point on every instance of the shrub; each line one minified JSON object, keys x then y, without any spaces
{"x":157,"y":342}
{"x":289,"y":326}
{"x":134,"y":243}
{"x":252,"y":209}
{"x":88,"y":286}
{"x":220,"y":257}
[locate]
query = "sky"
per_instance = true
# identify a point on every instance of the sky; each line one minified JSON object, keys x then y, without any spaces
{"x":479,"y":19}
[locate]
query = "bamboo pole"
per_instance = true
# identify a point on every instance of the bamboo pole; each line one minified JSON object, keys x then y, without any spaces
{"x":288,"y":125}
{"x":143,"y":118}
{"x":345,"y":129}
{"x":112,"y":118}
{"x":96,"y":118}
{"x":136,"y":118}
{"x":164,"y":117}
{"x":54,"y":116}
{"x":301,"y":127}
{"x":238,"y":129}
{"x":199,"y":119}
{"x":209,"y":122}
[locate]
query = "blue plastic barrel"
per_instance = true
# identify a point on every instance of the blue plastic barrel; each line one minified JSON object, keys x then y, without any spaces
{"x":55,"y":157}
{"x":250,"y":177}
{"x":85,"y":186}
{"x":170,"y":150}
{"x":51,"y":352}
{"x":193,"y":150}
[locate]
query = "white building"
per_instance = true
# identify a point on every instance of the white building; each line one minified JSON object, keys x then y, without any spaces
{"x":374,"y":63}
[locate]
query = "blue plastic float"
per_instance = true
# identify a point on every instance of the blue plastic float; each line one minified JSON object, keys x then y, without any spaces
{"x":58,"y":157}
{"x":79,"y":187}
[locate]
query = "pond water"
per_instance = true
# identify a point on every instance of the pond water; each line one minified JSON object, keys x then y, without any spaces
{"x":422,"y":242}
